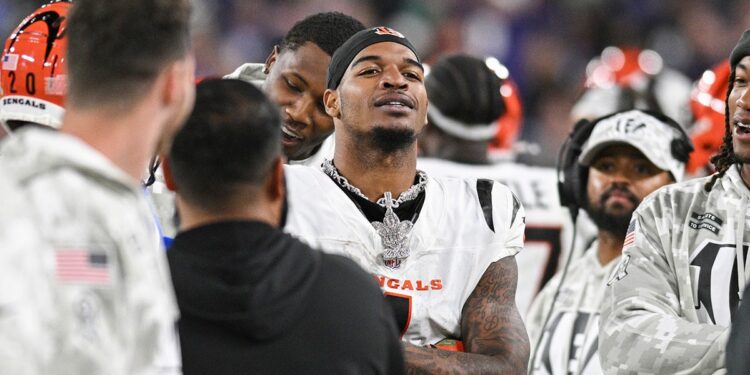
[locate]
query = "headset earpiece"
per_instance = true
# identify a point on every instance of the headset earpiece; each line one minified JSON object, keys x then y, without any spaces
{"x":682,"y":146}
{"x":569,"y":172}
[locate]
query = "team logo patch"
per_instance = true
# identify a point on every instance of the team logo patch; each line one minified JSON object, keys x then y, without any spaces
{"x":10,"y":61}
{"x":707,"y":221}
{"x":621,"y":271}
{"x":382,"y":30}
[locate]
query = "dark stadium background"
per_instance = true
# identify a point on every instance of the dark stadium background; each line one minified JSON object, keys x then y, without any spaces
{"x":545,"y":44}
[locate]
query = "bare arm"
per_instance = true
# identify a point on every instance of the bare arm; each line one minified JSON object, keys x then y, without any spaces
{"x":493,"y":333}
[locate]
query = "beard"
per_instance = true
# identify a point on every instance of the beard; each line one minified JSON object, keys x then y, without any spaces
{"x":385,"y":139}
{"x":389,"y":140}
{"x":615,"y":223}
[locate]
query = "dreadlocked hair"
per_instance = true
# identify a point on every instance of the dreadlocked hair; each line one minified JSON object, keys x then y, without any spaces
{"x":725,"y":158}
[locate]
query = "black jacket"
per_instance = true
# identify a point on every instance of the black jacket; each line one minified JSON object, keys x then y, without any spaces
{"x":254,"y":300}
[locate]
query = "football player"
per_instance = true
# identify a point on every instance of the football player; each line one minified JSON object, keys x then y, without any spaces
{"x":293,"y":76}
{"x":474,"y":103}
{"x":631,"y":78}
{"x":33,"y":75}
{"x":442,"y":249}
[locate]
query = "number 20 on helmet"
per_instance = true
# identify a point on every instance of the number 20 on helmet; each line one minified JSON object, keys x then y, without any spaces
{"x":33,"y":78}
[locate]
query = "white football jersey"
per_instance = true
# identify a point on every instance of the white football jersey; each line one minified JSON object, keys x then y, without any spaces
{"x":548,"y":225}
{"x":451,"y":245}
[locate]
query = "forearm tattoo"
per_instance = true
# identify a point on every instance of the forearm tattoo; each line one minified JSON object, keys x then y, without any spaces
{"x":494,"y":337}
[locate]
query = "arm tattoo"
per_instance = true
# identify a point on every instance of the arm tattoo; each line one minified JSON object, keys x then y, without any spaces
{"x":494,"y":336}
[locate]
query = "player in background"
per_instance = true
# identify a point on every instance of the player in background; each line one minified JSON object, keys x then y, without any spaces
{"x":631,"y":78}
{"x":609,"y":166}
{"x":669,"y":306}
{"x":707,"y":106}
{"x":294,"y":77}
{"x":103,"y":295}
{"x":33,"y":80}
{"x":442,"y":249}
{"x":33,"y":76}
{"x":473,"y":104}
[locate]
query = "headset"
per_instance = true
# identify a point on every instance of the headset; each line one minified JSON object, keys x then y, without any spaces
{"x":572,"y":176}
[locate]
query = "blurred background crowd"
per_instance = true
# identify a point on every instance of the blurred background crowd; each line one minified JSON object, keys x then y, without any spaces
{"x":546,"y":45}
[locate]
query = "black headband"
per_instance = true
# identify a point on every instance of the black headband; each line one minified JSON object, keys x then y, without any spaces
{"x":345,"y":54}
{"x":741,"y":50}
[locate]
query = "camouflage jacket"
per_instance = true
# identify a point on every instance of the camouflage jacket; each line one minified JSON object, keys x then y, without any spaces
{"x":669,"y":304}
{"x":91,"y":291}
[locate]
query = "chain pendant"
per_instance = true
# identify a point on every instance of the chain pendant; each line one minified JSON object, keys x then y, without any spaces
{"x":395,"y":235}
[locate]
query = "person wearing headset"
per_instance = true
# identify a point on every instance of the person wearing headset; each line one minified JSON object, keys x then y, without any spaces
{"x":607,"y":167}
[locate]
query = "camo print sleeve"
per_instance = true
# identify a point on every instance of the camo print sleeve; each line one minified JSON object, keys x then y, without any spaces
{"x":642,"y":329}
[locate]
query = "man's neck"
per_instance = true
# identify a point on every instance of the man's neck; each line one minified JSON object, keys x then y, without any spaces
{"x":129,"y":138}
{"x":375,"y":173}
{"x":192,"y":216}
{"x":610,"y":246}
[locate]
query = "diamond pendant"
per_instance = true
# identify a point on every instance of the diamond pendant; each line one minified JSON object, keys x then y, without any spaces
{"x":394,"y":234}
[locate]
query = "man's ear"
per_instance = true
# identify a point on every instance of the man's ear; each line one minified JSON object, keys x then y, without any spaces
{"x":167,"y":170}
{"x":331,"y":102}
{"x":276,"y":184}
{"x":174,"y":81}
{"x":271,"y":59}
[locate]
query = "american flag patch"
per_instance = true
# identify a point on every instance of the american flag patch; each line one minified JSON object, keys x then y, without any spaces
{"x":10,"y":61}
{"x":81,"y":266}
{"x":630,"y":235}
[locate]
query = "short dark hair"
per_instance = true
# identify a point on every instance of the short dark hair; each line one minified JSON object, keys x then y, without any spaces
{"x":229,"y":142}
{"x":465,"y":89}
{"x":117,"y":48}
{"x":328,"y":30}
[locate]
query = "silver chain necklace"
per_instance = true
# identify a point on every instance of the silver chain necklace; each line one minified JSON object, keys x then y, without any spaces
{"x":410,"y":194}
{"x":393,"y":232}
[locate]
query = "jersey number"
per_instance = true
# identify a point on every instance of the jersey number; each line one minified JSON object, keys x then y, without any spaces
{"x":30,"y":83}
{"x":716,"y":262}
